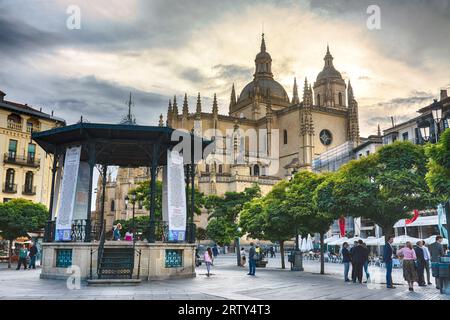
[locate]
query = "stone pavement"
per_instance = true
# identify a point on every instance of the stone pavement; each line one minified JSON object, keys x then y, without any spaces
{"x":227,"y":282}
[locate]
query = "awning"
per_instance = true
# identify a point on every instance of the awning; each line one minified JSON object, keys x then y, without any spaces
{"x":421,"y":221}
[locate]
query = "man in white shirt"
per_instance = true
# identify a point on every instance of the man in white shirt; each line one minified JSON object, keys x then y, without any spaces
{"x":426,"y":256}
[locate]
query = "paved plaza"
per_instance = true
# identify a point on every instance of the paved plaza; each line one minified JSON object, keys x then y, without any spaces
{"x":227,"y":282}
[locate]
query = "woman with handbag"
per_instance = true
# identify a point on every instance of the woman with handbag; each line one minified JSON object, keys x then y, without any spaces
{"x":409,"y":257}
{"x":208,"y":257}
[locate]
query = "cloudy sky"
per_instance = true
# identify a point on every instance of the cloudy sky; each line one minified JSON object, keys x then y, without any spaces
{"x":160,"y":48}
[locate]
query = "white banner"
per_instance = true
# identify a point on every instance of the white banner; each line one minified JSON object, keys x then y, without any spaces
{"x":80,"y":211}
{"x":175,"y":190}
{"x":67,"y":197}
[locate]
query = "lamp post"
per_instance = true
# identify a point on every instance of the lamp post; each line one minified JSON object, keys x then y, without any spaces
{"x":133,"y":201}
{"x":436,"y":111}
{"x":237,"y":244}
{"x":425,"y":132}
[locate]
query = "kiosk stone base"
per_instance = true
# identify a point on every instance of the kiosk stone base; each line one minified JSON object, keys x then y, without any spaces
{"x":158,"y":261}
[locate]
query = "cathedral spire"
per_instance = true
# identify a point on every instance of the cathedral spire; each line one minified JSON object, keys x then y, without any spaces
{"x":328,"y":58}
{"x":263,"y":43}
{"x":175,"y":106}
{"x":161,"y":120}
{"x":215,"y":108}
{"x":263,"y":62}
{"x":185,"y":106}
{"x":295,"y":99}
{"x":198,"y":110}
{"x":350,"y":92}
{"x":379,"y":130}
{"x":232,"y":98}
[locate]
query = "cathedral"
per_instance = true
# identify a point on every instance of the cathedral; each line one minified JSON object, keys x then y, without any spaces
{"x":296,"y":130}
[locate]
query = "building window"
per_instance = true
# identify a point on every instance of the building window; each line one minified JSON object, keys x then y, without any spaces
{"x":15,"y":122}
{"x":220,"y":168}
{"x":405,"y":136}
{"x":9,"y":182}
{"x":256,"y":170}
{"x":318,"y":99}
{"x":12,"y":149}
{"x":113,"y":205}
{"x":28,"y":187}
{"x":285,"y":137}
{"x":207,"y":168}
{"x":31,"y":152}
{"x":340,"y":98}
{"x":367,"y":152}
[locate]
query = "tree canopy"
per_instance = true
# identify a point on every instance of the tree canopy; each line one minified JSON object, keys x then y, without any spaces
{"x":438,"y":176}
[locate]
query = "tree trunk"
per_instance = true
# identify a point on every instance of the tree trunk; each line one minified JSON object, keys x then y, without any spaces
{"x":10,"y":253}
{"x":322,"y":249}
{"x":388,"y":230}
{"x":283,"y":266}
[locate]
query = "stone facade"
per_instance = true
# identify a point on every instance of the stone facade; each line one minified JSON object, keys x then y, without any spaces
{"x":298,"y":129}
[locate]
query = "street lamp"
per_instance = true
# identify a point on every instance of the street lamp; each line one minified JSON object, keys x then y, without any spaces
{"x":238,"y":251}
{"x":425,"y":132}
{"x":436,"y":111}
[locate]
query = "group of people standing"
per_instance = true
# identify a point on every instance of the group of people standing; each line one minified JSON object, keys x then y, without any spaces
{"x":358,"y":258}
{"x":25,"y":254}
{"x":129,"y":235}
{"x":416,"y":261}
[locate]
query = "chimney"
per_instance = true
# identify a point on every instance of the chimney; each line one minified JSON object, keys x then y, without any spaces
{"x":443,"y":94}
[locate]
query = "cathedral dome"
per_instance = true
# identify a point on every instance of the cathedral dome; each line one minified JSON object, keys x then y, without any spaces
{"x":329,"y":72}
{"x":265,"y":87}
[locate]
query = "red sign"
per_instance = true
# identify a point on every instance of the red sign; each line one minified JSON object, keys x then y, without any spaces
{"x":414,"y":218}
{"x":342,"y":225}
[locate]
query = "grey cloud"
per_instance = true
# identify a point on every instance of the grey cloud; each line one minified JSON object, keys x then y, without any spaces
{"x":193,"y":75}
{"x":232,"y":71}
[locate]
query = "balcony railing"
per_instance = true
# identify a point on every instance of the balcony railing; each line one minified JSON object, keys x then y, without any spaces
{"x":10,"y":188}
{"x":15,"y":125}
{"x":21,"y":160}
{"x":31,"y":129}
{"x":29,"y":191}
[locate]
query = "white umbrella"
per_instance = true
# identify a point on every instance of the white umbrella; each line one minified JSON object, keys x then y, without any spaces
{"x":432,"y":239}
{"x":372,"y":241}
{"x":338,"y":242}
{"x":352,"y":240}
{"x":303,"y":246}
{"x":330,"y":239}
{"x":403,"y":239}
{"x":309,"y":243}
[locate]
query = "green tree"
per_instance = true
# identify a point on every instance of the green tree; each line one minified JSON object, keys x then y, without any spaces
{"x":438,"y":175}
{"x":224,"y":211}
{"x":20,"y":216}
{"x":384,"y":187}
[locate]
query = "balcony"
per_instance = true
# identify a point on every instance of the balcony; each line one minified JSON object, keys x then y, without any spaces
{"x":21,"y":160}
{"x":31,"y":129}
{"x":29,"y":191}
{"x":14,"y":125}
{"x":10,"y":188}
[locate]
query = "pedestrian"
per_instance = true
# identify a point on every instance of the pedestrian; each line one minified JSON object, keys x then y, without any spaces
{"x":346,"y":260}
{"x":436,"y":251}
{"x":243,"y":257}
{"x":252,"y":256}
{"x":427,"y":257}
{"x":116,"y":233}
{"x":387,"y":259}
{"x":420,"y":263}
{"x":358,"y":259}
{"x":215,"y":250}
{"x":409,"y":257}
{"x":355,"y":244}
{"x":209,"y":258}
{"x":366,"y":261}
{"x":272,"y":252}
{"x":129,"y":235}
{"x":32,"y":254}
{"x":23,"y":254}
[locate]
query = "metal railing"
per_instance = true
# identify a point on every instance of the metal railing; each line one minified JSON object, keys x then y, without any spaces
{"x":82,"y":231}
{"x":21,"y":160}
{"x":29,"y":191}
{"x":10,"y":188}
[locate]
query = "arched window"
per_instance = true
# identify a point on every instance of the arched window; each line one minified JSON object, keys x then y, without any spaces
{"x":113,"y":205}
{"x":285,"y":136}
{"x":9,"y":182}
{"x":14,"y":122}
{"x":220,"y":168}
{"x":28,"y":188}
{"x":256,"y":170}
{"x":318,"y":99}
{"x":340,"y":98}
{"x":207,"y":168}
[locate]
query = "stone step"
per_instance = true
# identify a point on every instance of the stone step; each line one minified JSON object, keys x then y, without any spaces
{"x":115,"y":282}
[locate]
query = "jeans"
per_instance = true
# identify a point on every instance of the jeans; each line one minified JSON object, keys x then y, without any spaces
{"x":427,"y":269}
{"x":366,"y":270}
{"x":389,"y":273}
{"x":346,"y":270}
{"x":32,"y":262}
{"x":208,"y":267}
{"x":252,"y":266}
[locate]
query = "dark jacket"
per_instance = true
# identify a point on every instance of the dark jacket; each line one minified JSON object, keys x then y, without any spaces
{"x":387,"y":252}
{"x":33,"y":251}
{"x":346,"y":255}
{"x":436,"y":251}
{"x":359,"y":255}
{"x":419,"y":254}
{"x":251,"y":253}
